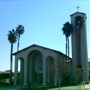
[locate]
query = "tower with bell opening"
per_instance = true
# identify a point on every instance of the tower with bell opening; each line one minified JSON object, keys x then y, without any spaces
{"x":79,"y":43}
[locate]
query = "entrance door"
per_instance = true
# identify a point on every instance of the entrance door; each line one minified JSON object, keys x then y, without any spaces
{"x":40,"y":78}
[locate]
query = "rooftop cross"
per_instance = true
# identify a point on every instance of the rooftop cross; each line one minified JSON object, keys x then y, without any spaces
{"x":78,"y":8}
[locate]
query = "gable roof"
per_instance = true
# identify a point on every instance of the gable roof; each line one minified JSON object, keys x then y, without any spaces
{"x":34,"y":45}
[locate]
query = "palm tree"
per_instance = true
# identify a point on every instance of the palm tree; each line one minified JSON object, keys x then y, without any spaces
{"x":12,"y":39}
{"x":19,"y":30}
{"x":67,"y":30}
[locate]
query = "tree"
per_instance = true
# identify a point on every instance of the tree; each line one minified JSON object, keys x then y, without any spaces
{"x":79,"y":71}
{"x":7,"y":70}
{"x":4,"y":75}
{"x":12,"y":39}
{"x":67,"y":30}
{"x":19,"y":30}
{"x":61,"y":68}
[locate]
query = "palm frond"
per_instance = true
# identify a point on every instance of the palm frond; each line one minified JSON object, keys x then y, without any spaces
{"x":67,"y":29}
{"x":20,"y":29}
{"x":12,"y":36}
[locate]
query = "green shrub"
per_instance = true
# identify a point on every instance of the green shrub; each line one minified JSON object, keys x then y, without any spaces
{"x":4,"y":76}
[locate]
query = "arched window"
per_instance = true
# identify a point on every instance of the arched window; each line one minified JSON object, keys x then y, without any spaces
{"x":38,"y":63}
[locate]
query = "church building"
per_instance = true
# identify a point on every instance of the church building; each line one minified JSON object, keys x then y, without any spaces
{"x":35,"y":59}
{"x":34,"y":62}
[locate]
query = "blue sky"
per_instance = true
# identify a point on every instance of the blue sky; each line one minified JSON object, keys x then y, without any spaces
{"x":43,"y":21}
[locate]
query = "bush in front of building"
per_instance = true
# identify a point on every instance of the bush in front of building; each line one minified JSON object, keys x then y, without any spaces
{"x":79,"y":71}
{"x":3,"y":78}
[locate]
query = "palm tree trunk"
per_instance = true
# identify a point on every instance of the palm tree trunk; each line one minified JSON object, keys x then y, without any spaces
{"x":18,"y":46}
{"x":18,"y":43}
{"x":11,"y":59}
{"x":59,"y":84}
{"x":59,"y":80}
{"x":66,"y":48}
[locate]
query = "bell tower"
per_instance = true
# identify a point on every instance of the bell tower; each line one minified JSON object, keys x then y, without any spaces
{"x":79,"y":43}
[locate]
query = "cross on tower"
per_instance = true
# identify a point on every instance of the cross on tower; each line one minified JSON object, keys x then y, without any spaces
{"x":78,"y":8}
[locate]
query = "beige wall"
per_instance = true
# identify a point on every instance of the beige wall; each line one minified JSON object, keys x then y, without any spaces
{"x":28,"y":63}
{"x":24,"y":54}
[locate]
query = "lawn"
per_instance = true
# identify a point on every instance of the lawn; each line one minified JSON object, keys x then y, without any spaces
{"x":56,"y":88}
{"x":74,"y":87}
{"x":5,"y":85}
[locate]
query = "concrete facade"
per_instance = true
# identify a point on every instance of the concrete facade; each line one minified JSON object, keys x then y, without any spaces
{"x":79,"y":55}
{"x":33,"y":70}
